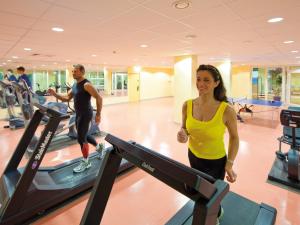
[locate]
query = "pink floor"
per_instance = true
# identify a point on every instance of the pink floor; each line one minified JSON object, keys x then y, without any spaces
{"x":139,"y":199}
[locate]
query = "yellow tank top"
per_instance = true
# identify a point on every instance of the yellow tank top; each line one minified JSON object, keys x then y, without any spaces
{"x":206,"y":138}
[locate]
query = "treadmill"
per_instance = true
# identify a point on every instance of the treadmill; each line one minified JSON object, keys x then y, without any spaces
{"x":26,"y":193}
{"x":205,"y":193}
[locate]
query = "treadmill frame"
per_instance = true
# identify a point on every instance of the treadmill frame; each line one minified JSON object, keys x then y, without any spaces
{"x":206,"y":192}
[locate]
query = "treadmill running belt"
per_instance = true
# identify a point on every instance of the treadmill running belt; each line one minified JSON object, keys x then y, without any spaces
{"x":237,"y":211}
{"x":66,"y":175}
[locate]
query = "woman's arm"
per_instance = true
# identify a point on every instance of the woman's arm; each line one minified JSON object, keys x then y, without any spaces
{"x":230,"y":120}
{"x":182,"y":135}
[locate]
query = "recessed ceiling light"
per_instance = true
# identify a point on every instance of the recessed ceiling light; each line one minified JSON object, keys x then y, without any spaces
{"x":297,"y":57}
{"x":137,"y":69}
{"x":288,"y":42}
{"x":68,"y":60}
{"x":181,"y":4}
{"x":27,"y":49}
{"x":55,"y":63}
{"x":43,"y":65}
{"x":4,"y":63}
{"x":105,"y":63}
{"x":15,"y":57}
{"x":57,"y":29}
{"x":275,"y":20}
{"x":9,"y":60}
{"x":190,"y":36}
{"x":94,"y":55}
{"x":294,"y":51}
{"x":143,"y":46}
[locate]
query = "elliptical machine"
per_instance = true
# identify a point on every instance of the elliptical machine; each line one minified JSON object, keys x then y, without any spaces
{"x":10,"y":101}
{"x":286,"y":167}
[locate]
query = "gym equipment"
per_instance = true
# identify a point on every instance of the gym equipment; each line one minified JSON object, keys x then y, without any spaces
{"x":286,"y":167}
{"x":40,"y":92}
{"x":10,"y":100}
{"x":29,"y":192}
{"x":61,"y":139}
{"x":205,"y":192}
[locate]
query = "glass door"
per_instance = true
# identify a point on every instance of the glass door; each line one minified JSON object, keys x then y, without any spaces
{"x":295,"y":88}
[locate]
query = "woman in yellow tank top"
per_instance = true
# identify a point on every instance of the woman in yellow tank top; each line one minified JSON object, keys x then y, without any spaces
{"x":204,"y":121}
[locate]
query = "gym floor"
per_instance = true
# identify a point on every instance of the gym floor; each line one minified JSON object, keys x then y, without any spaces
{"x":137,"y":198}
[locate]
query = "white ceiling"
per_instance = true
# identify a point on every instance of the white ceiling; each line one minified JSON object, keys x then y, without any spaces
{"x":114,"y":30}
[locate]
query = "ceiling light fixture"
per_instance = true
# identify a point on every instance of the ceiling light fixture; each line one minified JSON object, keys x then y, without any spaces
{"x":57,"y":29}
{"x":27,"y":49}
{"x":190,"y":36}
{"x":9,"y":60}
{"x":288,"y":42}
{"x":297,"y":57}
{"x":181,"y":4}
{"x":294,"y":51}
{"x":143,"y":46}
{"x":68,"y":60}
{"x":94,"y":55}
{"x":275,"y":20}
{"x":15,"y":57}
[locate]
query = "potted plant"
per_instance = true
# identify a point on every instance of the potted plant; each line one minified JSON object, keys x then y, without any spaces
{"x":276,"y":83}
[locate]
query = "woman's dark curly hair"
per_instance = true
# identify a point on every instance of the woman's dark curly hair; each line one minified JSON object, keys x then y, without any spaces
{"x":220,"y":90}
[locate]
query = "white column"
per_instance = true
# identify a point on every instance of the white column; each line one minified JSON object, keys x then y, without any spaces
{"x":184,"y":83}
{"x":225,"y":70}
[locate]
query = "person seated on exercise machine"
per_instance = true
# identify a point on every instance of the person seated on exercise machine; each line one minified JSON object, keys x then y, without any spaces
{"x":82,"y":91}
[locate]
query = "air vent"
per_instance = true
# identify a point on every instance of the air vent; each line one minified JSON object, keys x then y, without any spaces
{"x":35,"y":54}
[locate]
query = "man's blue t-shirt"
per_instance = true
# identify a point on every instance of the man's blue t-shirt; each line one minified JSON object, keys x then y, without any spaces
{"x":25,"y":77}
{"x":13,"y":78}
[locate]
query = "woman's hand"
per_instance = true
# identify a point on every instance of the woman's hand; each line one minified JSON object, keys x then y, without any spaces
{"x":231,"y":175}
{"x":182,"y":136}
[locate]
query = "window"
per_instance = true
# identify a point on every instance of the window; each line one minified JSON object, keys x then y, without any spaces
{"x":96,"y":78}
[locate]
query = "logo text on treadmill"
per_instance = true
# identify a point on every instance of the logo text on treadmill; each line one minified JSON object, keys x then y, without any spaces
{"x":148,"y":167}
{"x":43,"y":146}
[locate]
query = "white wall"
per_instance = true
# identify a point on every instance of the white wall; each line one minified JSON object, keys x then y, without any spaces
{"x":241,"y":85}
{"x":155,"y":85}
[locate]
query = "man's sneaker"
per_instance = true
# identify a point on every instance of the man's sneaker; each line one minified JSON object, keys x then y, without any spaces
{"x":220,"y":216}
{"x":84,"y":165}
{"x":100,"y":149}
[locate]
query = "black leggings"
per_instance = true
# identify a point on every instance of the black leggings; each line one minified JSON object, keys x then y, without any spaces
{"x":212,"y":167}
{"x":82,"y":125}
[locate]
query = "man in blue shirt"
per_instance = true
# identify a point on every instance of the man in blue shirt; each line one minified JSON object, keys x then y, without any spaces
{"x":23,"y":76}
{"x":11,"y":76}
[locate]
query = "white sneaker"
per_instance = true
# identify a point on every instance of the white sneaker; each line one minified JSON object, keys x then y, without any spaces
{"x":220,"y":216}
{"x":100,"y":149}
{"x":84,"y":165}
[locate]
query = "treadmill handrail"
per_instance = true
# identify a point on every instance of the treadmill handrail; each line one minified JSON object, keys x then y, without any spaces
{"x":51,"y":112}
{"x":5,"y":85}
{"x":152,"y":161}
